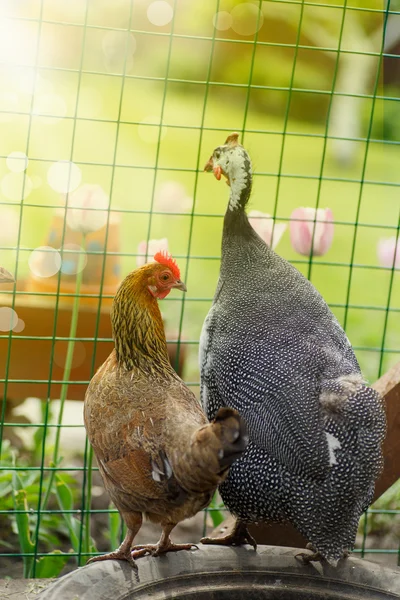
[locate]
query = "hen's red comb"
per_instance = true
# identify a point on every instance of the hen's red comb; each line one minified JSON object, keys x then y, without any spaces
{"x":164,"y":258}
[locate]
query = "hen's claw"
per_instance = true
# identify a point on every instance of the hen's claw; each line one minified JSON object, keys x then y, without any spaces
{"x":238,"y":537}
{"x":157,"y":549}
{"x":116,"y":555}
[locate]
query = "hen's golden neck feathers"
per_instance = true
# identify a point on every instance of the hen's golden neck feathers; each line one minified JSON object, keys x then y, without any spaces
{"x":137,"y":325}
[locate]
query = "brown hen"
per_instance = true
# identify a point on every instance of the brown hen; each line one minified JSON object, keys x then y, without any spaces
{"x":157,"y":453}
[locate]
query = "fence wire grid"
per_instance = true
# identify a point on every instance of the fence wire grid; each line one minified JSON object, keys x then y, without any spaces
{"x":108,"y":113}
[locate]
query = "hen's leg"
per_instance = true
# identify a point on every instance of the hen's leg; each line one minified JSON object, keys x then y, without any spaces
{"x":133,"y":522}
{"x":164,"y":545}
{"x":238,"y":537}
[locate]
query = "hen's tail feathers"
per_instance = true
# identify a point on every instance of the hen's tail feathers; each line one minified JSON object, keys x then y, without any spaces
{"x":231,"y":430}
{"x":214,"y":448}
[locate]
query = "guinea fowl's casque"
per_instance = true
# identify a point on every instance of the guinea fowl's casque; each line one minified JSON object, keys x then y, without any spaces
{"x":157,"y":454}
{"x":272,"y":349}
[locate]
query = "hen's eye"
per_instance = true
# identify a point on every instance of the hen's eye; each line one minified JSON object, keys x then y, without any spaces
{"x":165,"y":277}
{"x":217,"y":153}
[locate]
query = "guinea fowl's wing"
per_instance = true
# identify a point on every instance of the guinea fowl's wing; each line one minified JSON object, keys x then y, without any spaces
{"x":274,"y":383}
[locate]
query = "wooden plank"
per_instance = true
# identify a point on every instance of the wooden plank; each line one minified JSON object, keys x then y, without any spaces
{"x":389,"y":388}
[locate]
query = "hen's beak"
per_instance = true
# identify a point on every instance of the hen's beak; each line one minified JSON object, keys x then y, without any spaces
{"x":5,"y":276}
{"x":179,"y":285}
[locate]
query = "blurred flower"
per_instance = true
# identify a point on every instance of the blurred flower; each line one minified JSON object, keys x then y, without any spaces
{"x":171,"y":197}
{"x":311,"y":228}
{"x":264,"y":225}
{"x":388,"y":251}
{"x":150,"y":250}
{"x":87,"y":208}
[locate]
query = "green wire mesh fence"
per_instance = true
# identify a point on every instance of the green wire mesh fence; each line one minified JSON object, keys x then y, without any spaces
{"x":108,"y":113}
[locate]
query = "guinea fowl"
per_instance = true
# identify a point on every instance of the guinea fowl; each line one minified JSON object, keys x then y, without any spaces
{"x":272,"y":349}
{"x":157,"y":453}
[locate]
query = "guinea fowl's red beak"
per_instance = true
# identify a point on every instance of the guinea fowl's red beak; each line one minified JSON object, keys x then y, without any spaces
{"x":210,"y":167}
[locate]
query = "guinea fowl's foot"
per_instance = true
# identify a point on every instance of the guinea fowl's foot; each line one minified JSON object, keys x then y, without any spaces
{"x":307,"y":558}
{"x":157,"y":549}
{"x":116,"y":555}
{"x":238,"y":537}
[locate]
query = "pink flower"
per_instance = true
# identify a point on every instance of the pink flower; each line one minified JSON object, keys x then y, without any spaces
{"x":171,"y":196}
{"x":266,"y":228}
{"x":311,"y":229}
{"x":146,"y":253}
{"x":388,"y":250}
{"x":87,"y":208}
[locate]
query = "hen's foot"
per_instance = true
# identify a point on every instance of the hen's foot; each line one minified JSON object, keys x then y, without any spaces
{"x":238,"y":537}
{"x":157,"y":549}
{"x":116,"y":555}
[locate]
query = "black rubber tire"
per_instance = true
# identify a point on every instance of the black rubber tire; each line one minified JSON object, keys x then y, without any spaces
{"x":215,"y":572}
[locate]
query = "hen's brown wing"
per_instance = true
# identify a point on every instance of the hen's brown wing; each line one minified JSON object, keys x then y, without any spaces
{"x":128,"y":437}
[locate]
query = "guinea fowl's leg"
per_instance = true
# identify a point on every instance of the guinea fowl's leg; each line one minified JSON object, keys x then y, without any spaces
{"x":238,"y":537}
{"x":307,"y":558}
{"x":163,"y":545}
{"x":133,"y":522}
{"x":316,"y":556}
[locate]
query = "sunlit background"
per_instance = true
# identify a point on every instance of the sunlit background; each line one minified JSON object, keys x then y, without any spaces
{"x":108,"y":113}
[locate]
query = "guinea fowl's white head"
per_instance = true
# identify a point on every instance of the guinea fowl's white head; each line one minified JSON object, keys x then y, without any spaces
{"x":232,"y":161}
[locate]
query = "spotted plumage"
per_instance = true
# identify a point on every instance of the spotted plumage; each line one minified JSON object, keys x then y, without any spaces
{"x":272,"y":349}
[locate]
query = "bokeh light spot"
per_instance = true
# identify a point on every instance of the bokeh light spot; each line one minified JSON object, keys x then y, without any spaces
{"x":160,"y":13}
{"x":16,"y":186}
{"x":17,"y":162}
{"x":246,"y":19}
{"x":20,"y":326}
{"x":8,"y":318}
{"x":64,"y":176}
{"x":45,"y":261}
{"x":60,"y":354}
{"x":222,"y":20}
{"x":74,"y":259}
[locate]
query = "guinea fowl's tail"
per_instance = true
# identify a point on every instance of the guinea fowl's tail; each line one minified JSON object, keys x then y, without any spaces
{"x":214,"y":447}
